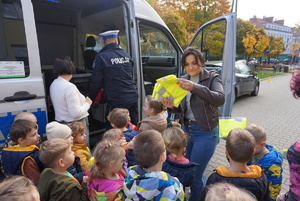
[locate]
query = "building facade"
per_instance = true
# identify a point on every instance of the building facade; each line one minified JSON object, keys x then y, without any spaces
{"x":276,"y":28}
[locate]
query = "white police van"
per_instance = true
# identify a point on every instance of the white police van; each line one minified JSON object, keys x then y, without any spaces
{"x":34,"y":32}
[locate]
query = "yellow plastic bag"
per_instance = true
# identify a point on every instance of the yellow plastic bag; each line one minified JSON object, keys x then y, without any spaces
{"x":226,"y":124}
{"x":167,"y":87}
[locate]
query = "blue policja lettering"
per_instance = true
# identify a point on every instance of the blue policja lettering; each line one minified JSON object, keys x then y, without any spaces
{"x":121,"y":60}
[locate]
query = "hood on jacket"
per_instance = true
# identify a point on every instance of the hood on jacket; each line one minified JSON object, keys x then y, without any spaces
{"x":157,"y":122}
{"x":255,"y":172}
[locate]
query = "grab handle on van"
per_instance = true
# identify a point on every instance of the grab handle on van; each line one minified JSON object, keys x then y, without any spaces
{"x":19,"y":96}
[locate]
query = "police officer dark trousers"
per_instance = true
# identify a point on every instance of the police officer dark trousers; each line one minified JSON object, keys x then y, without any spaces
{"x":113,"y":71}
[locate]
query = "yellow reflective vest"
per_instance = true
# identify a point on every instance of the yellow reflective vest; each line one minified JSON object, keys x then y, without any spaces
{"x":167,"y":87}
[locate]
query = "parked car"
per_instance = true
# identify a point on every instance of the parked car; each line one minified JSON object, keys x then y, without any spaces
{"x":270,"y":61}
{"x":246,"y":81}
{"x":286,"y":61}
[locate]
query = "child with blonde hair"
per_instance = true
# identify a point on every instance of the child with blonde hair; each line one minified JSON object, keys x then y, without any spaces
{"x":227,"y":192}
{"x":80,"y":147}
{"x":176,"y":164}
{"x":155,"y":121}
{"x":17,"y":188}
{"x":105,"y":179}
{"x":62,"y":131}
{"x":116,"y":135}
{"x":56,"y":182}
{"x":119,"y":118}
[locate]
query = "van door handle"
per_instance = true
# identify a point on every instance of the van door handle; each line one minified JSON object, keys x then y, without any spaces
{"x":19,"y":96}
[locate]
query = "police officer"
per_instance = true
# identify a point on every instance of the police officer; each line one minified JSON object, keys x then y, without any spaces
{"x":113,"y":71}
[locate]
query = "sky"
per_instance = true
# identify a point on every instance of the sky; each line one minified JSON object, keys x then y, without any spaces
{"x":288,"y":10}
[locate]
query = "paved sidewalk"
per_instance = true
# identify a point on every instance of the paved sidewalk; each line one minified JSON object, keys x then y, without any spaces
{"x":276,"y":110}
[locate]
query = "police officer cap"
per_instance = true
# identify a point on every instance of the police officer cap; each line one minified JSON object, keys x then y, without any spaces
{"x":110,"y":34}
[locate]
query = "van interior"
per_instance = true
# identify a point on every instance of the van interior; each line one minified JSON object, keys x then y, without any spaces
{"x":63,"y":27}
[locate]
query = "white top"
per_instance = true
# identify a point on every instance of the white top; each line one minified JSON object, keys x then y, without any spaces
{"x":69,"y":104}
{"x":189,"y":113}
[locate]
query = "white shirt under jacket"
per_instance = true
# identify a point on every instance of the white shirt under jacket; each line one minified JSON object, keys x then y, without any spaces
{"x":69,"y":104}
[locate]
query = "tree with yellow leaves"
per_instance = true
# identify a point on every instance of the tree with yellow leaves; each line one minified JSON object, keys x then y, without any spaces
{"x":256,"y":42}
{"x":189,"y":13}
{"x":243,"y":27}
{"x":249,"y":43}
{"x":177,"y":25}
{"x":261,"y":44}
{"x":276,"y":46}
{"x":294,"y":50}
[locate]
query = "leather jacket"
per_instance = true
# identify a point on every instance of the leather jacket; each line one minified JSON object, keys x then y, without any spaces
{"x":207,"y":96}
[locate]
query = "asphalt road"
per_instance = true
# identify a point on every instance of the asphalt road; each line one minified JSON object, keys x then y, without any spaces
{"x":276,"y":110}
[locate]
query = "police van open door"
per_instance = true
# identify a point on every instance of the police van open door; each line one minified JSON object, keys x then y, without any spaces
{"x":216,"y":40}
{"x":34,"y":32}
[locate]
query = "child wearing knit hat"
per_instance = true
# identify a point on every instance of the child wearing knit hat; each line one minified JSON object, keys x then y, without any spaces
{"x":57,"y":130}
{"x":62,"y":131}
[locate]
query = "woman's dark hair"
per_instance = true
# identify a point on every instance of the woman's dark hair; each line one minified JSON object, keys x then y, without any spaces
{"x":63,"y":66}
{"x":193,"y":51}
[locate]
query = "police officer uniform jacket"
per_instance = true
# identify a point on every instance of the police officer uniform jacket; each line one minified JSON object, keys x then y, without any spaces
{"x":113,"y":71}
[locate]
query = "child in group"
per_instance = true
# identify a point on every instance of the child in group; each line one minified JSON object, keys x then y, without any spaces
{"x":293,"y":157}
{"x":227,"y":192}
{"x":18,"y":188}
{"x":116,"y":135}
{"x":105,"y":180}
{"x":268,"y":158}
{"x":119,"y":118}
{"x":22,"y":159}
{"x":56,"y":183}
{"x":176,"y":164}
{"x":240,"y":146}
{"x":155,"y":121}
{"x":8,"y":142}
{"x":147,"y":181}
{"x":80,"y":147}
{"x":57,"y":130}
{"x":22,"y":115}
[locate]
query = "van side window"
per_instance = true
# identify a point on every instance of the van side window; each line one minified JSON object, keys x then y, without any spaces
{"x":158,"y":56}
{"x":14,"y":55}
{"x":211,"y":40}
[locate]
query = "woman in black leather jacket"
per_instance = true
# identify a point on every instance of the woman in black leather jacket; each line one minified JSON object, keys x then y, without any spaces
{"x":199,"y":113}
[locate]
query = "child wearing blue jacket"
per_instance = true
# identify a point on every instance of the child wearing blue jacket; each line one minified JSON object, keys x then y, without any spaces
{"x":268,"y":158}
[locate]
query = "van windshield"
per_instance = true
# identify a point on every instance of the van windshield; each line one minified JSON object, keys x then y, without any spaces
{"x":13,"y":55}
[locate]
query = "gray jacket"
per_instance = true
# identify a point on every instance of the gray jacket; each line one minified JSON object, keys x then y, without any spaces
{"x":206,"y":97}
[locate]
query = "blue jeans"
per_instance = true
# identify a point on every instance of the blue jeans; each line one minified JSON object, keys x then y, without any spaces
{"x":200,"y":148}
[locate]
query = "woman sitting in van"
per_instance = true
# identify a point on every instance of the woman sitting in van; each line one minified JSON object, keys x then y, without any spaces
{"x":69,"y":104}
